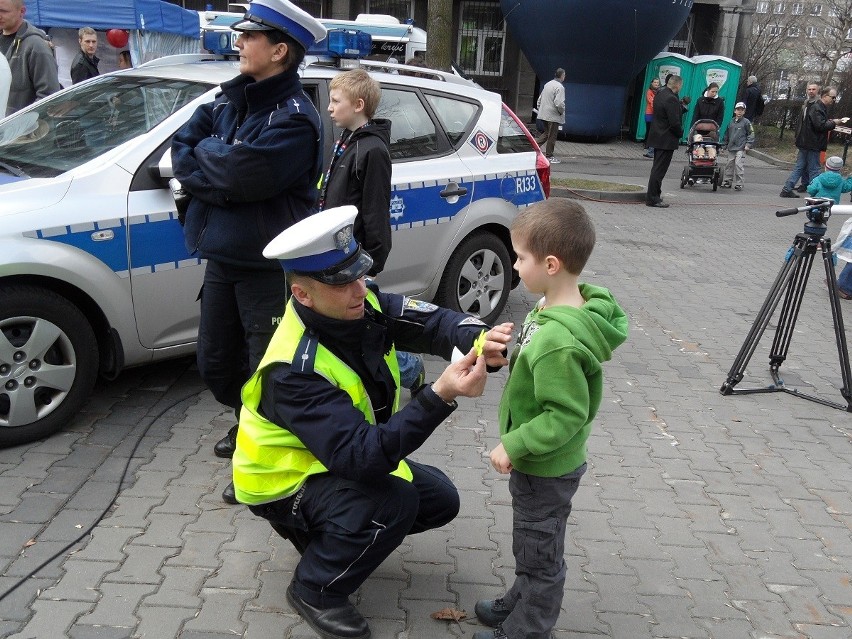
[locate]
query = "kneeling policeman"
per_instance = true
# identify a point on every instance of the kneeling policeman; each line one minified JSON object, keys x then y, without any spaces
{"x":322,"y":443}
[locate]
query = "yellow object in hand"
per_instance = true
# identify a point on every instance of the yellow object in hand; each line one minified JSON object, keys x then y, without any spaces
{"x":479,"y":343}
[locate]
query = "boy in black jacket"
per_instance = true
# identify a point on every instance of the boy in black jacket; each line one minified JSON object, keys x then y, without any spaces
{"x":360,"y":169}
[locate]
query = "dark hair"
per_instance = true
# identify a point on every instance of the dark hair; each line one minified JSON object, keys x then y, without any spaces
{"x":558,"y":227}
{"x":826,"y":91}
{"x":712,"y":85}
{"x":295,"y":51}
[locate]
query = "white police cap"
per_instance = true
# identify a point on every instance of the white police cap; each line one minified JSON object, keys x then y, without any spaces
{"x":281,"y":15}
{"x":322,"y":247}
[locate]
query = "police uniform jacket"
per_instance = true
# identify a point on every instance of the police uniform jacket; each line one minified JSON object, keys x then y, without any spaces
{"x":323,"y":416}
{"x":250,"y":160}
{"x":813,"y":134}
{"x":667,"y":126}
{"x":360,"y":174}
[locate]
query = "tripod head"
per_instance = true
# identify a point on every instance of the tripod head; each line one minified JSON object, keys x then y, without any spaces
{"x":817,"y":210}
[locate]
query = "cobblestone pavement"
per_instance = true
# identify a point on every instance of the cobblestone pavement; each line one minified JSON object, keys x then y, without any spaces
{"x":701,"y":515}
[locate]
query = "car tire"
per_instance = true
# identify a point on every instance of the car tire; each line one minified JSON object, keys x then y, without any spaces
{"x":478,"y":278}
{"x":48,"y":363}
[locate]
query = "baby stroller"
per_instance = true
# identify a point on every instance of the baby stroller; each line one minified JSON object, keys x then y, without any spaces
{"x":702,"y":150}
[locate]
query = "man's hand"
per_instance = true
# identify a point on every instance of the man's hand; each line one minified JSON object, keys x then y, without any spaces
{"x":464,"y":378}
{"x":500,"y":460}
{"x":495,"y":344}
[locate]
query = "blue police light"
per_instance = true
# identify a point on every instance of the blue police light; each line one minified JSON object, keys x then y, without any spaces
{"x":219,"y":42}
{"x":344,"y":43}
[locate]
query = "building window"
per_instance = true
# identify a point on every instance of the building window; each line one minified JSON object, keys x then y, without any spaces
{"x":763,"y":7}
{"x":778,"y":8}
{"x":402,"y":10}
{"x":314,"y":7}
{"x":816,"y":9}
{"x":812,"y":32}
{"x":482,"y":36}
{"x":833,"y":11}
{"x":798,"y":8}
{"x":793,"y":32}
{"x":849,"y":34}
{"x":775,"y":30}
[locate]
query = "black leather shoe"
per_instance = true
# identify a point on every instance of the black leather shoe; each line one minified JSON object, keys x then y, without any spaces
{"x":658,"y":204}
{"x":229,"y":496}
{"x":343,"y":622}
{"x":801,"y":188}
{"x":226,"y":446}
{"x":786,"y":193}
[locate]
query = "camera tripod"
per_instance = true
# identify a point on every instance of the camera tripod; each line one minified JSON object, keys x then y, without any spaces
{"x":791,"y":283}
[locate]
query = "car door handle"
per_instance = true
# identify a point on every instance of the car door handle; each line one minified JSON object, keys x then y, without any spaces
{"x":453,"y":190}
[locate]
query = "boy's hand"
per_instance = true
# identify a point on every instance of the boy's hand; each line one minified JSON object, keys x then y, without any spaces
{"x":500,"y":460}
{"x":494,"y":349}
{"x":464,"y":378}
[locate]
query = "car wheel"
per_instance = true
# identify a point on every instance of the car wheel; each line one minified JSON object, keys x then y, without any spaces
{"x":48,"y":363}
{"x":478,"y":277}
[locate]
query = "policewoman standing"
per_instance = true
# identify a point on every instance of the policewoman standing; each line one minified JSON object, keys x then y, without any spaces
{"x":250,"y":161}
{"x":323,"y":443}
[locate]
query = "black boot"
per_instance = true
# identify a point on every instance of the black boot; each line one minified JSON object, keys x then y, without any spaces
{"x":229,"y":496}
{"x":343,"y":622}
{"x":226,"y":446}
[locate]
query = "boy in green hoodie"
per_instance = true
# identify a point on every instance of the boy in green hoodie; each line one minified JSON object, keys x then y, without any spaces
{"x":553,"y":392}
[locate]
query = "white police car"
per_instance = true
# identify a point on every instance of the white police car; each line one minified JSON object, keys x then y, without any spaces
{"x":94,"y":275}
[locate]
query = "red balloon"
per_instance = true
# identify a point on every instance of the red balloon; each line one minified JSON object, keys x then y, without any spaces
{"x":118,"y":38}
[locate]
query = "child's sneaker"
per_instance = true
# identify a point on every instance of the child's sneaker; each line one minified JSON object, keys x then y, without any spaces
{"x":726,"y":184}
{"x":738,"y":187}
{"x":491,"y":612}
{"x":497,"y":633}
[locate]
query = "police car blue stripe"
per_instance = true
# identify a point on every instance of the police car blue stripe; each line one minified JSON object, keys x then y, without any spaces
{"x":156,"y":243}
{"x":420,"y":203}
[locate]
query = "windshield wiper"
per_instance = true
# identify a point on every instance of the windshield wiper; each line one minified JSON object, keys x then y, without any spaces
{"x":13,"y":170}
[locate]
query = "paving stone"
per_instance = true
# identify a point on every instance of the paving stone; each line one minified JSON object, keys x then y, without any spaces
{"x":142,"y":565}
{"x":221,"y":612}
{"x":51,"y":618}
{"x":200,"y":550}
{"x":117,"y":605}
{"x":35,"y":508}
{"x":81,"y":580}
{"x":164,"y":529}
{"x":162,"y":621}
{"x":19,"y":595}
{"x":80,"y":631}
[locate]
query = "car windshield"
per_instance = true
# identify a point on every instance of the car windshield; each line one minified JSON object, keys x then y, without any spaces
{"x":69,"y":129}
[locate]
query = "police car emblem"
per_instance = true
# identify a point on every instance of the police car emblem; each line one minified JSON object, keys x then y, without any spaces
{"x":343,"y":238}
{"x":397,"y":207}
{"x":481,"y":142}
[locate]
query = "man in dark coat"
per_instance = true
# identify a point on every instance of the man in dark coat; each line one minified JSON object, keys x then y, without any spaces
{"x":752,"y":96}
{"x":664,"y":135}
{"x":85,"y":63}
{"x":811,"y":139}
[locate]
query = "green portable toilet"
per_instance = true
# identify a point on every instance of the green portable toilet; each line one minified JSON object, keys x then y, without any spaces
{"x":713,"y":68}
{"x":662,"y":64}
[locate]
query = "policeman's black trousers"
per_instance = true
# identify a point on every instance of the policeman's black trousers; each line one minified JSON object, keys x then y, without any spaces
{"x":240,"y":310}
{"x":353,"y":526}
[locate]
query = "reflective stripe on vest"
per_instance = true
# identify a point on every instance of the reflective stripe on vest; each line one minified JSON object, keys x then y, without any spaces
{"x":270,"y":462}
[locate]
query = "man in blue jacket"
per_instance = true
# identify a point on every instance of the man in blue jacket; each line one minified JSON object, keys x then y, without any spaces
{"x":250,"y":161}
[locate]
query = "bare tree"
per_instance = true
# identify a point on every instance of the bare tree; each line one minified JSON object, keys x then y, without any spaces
{"x":827,"y":37}
{"x":770,"y":36}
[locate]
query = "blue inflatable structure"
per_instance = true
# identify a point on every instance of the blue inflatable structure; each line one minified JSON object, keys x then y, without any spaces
{"x":601,"y":44}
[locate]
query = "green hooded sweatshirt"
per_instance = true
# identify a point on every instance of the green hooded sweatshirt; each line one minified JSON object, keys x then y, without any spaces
{"x":556,"y":382}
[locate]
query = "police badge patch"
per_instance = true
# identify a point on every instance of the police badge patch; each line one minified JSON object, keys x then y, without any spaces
{"x":343,"y":238}
{"x":418,"y":305}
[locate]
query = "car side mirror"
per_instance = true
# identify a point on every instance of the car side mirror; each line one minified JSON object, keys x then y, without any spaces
{"x":164,"y":166}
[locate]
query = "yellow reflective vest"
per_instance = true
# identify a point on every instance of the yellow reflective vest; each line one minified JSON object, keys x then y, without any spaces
{"x":270,"y":462}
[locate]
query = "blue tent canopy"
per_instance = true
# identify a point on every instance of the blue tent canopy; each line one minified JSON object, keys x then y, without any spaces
{"x":140,"y":15}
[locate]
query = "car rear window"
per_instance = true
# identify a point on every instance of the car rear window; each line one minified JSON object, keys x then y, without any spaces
{"x":513,"y":137}
{"x":68,"y":129}
{"x":456,"y":116}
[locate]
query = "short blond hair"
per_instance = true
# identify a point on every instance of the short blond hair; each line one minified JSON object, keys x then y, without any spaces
{"x":357,"y":84}
{"x":85,"y":31}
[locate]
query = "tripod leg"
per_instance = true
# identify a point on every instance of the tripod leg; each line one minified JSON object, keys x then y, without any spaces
{"x":837,"y":318}
{"x":790,"y":309}
{"x":781,"y":284}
